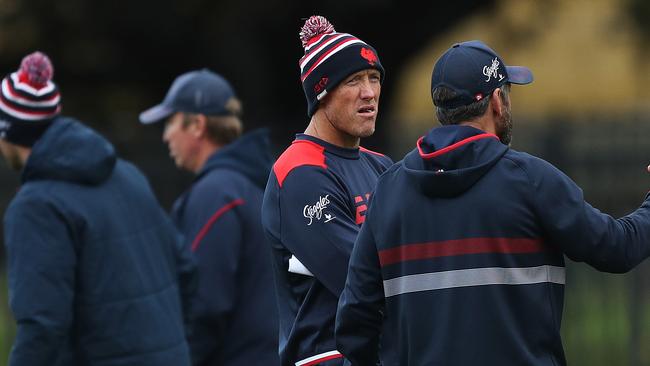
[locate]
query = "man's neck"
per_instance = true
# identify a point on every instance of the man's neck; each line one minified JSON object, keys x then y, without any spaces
{"x":322,"y":128}
{"x":203,"y":155}
{"x":23,"y":153}
{"x":483,"y":123}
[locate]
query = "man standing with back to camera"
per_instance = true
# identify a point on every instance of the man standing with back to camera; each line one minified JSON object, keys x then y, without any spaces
{"x":316,"y":196}
{"x":461,"y":258}
{"x":95,"y":265}
{"x":233,"y":318}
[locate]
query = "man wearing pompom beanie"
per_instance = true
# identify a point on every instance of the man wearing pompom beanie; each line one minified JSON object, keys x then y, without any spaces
{"x":318,"y":191}
{"x":94,"y":263}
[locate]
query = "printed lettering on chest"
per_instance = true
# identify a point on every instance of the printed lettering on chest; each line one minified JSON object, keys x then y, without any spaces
{"x":317,"y":211}
{"x":361,"y":203}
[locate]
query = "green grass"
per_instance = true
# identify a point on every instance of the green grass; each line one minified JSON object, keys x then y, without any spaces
{"x":596,"y":328}
{"x":7,"y":327}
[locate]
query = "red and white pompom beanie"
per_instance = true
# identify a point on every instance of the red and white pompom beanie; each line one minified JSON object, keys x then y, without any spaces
{"x":29,"y":100}
{"x":329,"y":58}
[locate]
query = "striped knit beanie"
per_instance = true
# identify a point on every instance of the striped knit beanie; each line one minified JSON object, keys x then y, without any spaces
{"x":329,"y":58}
{"x":29,"y":100}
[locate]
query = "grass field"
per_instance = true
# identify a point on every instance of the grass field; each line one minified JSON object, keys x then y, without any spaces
{"x":598,"y":326}
{"x":7,"y":328}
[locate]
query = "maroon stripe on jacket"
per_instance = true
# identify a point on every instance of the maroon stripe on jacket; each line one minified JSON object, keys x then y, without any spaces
{"x":448,"y":248}
{"x":204,"y":230}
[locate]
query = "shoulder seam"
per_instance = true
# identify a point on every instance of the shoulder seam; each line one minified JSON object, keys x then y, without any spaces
{"x":300,"y":153}
{"x":529,"y":178}
{"x":514,"y":161}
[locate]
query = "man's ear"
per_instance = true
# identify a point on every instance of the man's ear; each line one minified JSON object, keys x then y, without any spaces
{"x":498,"y":108}
{"x":199,"y":125}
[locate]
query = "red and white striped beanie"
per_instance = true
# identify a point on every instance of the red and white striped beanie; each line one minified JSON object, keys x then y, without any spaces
{"x":329,"y":58}
{"x":29,"y":100}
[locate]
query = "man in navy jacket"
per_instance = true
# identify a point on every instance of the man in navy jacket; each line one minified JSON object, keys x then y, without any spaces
{"x":96,"y":268}
{"x":233,"y":317}
{"x":461,"y":258}
{"x":317,"y":194}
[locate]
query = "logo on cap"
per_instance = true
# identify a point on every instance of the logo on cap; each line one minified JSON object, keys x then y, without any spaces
{"x":321,"y":84}
{"x":492,"y":71}
{"x":369,"y":56}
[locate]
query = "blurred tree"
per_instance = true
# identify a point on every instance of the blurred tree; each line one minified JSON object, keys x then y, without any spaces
{"x":640,"y":12}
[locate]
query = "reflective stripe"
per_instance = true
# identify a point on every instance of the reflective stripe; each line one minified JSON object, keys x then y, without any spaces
{"x":315,"y":360}
{"x":473,"y":277}
{"x":295,"y":266}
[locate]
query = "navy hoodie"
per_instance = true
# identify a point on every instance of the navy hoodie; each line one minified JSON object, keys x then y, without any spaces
{"x":94,"y":262}
{"x":234,"y":320}
{"x":315,"y":201}
{"x":461,"y":258}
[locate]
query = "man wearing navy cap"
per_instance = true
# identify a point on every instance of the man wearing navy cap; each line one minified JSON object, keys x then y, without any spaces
{"x":220,"y":217}
{"x":461,"y":258}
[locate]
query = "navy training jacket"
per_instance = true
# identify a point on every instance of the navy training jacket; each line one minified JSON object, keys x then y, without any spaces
{"x":234,"y":319}
{"x":94,"y":262}
{"x":314,"y":203}
{"x":461,"y":258}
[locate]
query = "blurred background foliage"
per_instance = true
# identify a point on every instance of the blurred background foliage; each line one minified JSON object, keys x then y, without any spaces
{"x":587,"y":112}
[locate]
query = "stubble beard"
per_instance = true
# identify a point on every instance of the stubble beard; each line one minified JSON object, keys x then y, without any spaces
{"x":367,"y":132}
{"x":505,"y":127}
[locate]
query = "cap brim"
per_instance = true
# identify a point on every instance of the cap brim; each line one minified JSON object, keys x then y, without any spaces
{"x":155,"y":114}
{"x":519,"y":75}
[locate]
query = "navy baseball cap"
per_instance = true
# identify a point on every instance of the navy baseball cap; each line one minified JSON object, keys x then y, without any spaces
{"x":201,"y":92}
{"x":473,"y":70}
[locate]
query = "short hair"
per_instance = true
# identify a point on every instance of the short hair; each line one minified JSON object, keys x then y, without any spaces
{"x":222,"y":130}
{"x":454,"y":116}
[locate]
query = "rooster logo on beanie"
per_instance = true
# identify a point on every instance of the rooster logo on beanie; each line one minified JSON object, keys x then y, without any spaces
{"x":369,"y":55}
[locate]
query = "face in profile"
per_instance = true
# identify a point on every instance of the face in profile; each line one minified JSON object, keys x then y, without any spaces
{"x":181,"y":142}
{"x":353,"y":105}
